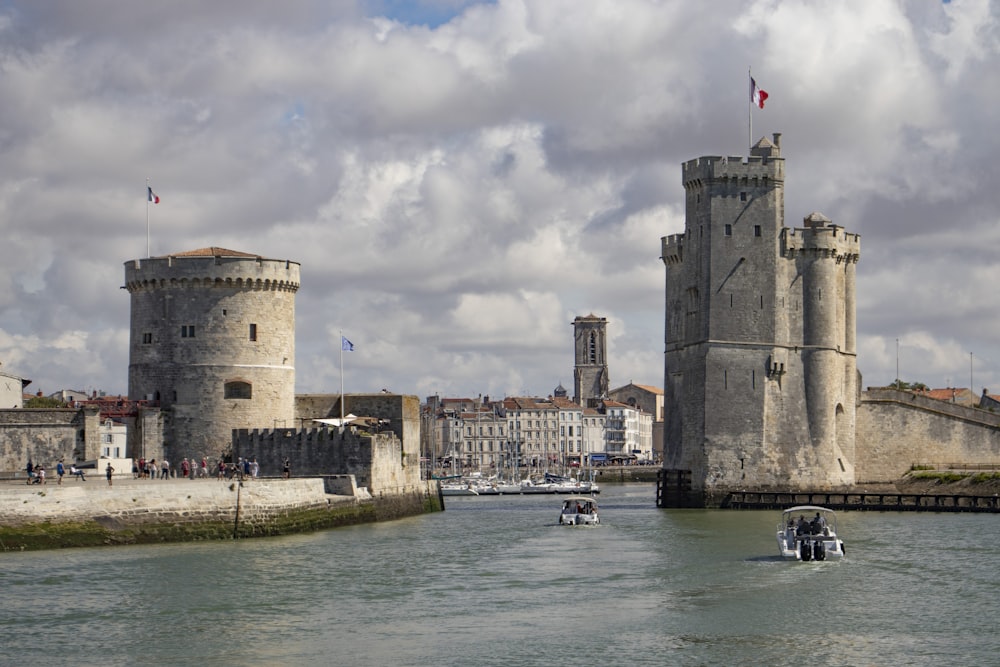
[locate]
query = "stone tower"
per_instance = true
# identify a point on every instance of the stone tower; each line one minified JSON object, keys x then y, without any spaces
{"x":760,"y":381}
{"x":590,"y":373}
{"x":213,"y":341}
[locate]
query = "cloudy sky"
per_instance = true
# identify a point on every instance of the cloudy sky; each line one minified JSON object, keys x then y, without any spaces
{"x":460,"y":179}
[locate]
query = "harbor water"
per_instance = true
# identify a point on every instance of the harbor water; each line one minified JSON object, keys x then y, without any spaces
{"x":494,"y":580}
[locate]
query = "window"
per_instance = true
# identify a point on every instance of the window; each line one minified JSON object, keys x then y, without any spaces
{"x":187,"y":331}
{"x":743,"y":196}
{"x":253,"y":332}
{"x":756,"y":230}
{"x":238,"y":389}
{"x":729,"y":230}
{"x":147,"y":338}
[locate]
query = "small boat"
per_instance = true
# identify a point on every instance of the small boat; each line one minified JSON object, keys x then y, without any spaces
{"x":812,"y":535}
{"x":579,"y":511}
{"x":458,"y":488}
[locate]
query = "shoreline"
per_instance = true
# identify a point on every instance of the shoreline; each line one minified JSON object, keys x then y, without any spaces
{"x":143,"y":511}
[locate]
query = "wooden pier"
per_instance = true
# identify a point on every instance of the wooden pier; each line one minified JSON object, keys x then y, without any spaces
{"x":863,"y":502}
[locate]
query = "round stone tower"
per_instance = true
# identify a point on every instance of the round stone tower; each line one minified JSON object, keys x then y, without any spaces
{"x":213,"y":342}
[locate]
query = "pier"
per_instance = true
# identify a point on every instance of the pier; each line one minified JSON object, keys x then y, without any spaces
{"x":865,"y":502}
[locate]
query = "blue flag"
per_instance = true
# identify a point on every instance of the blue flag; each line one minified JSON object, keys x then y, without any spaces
{"x":346,"y":344}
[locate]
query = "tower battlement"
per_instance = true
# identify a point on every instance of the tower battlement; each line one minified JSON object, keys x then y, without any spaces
{"x":672,"y":249}
{"x":212,"y":267}
{"x":822,"y":237}
{"x":714,"y":168}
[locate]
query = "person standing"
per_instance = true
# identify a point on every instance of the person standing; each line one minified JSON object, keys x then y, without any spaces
{"x":41,"y":474}
{"x":60,"y":471}
{"x":31,"y":470}
{"x":109,"y":471}
{"x":164,"y":469}
{"x":286,"y":468}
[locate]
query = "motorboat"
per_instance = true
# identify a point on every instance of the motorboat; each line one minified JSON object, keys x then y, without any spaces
{"x":808,"y":533}
{"x":458,"y":488}
{"x":579,"y":511}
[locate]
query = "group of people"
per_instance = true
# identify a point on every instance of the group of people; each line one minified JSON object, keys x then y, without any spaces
{"x":814,"y":526}
{"x":36,"y":473}
{"x":143,"y":468}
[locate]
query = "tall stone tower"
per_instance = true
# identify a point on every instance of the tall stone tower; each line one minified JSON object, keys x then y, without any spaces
{"x":590,"y":373}
{"x":760,"y":381}
{"x":213,"y":340}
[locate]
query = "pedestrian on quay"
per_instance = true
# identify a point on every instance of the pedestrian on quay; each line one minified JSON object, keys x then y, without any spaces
{"x":30,"y":468}
{"x":286,"y":468}
{"x":41,"y":474}
{"x":108,"y":471}
{"x":164,"y":469}
{"x":60,"y":471}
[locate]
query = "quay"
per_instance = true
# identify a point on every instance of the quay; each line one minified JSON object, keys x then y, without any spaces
{"x":864,"y":501}
{"x":138,"y":511}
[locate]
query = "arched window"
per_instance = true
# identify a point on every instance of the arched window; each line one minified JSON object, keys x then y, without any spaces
{"x":592,"y":348}
{"x":238,"y":389}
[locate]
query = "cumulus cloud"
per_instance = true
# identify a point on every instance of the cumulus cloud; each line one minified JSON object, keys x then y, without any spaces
{"x":460,"y":179}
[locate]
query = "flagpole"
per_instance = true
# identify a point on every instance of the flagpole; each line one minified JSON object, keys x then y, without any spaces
{"x":341,"y":378}
{"x":147,"y":217}
{"x":749,"y":113}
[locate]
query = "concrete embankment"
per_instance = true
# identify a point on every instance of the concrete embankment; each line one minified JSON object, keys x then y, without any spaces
{"x":91,"y":513}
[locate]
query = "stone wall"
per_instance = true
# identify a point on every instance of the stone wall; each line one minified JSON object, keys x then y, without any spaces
{"x":375,"y":460}
{"x":46,"y":435}
{"x":899,"y":429}
{"x":141,"y":512}
{"x":399,"y":412}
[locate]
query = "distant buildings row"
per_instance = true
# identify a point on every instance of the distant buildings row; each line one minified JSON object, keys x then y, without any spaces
{"x":551,"y":432}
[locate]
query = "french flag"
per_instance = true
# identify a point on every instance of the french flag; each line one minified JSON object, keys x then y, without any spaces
{"x":757,"y":96}
{"x":153,"y":197}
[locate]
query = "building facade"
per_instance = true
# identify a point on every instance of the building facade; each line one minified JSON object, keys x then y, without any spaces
{"x":760,"y":377}
{"x":213,"y":345}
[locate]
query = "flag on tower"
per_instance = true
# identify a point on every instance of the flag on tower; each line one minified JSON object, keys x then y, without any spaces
{"x":346,"y":344}
{"x":757,"y":95}
{"x":152,"y":196}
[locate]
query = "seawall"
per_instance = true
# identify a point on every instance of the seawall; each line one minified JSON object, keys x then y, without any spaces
{"x":91,"y":513}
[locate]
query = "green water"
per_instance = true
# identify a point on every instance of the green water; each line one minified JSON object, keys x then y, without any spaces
{"x":494,"y":581}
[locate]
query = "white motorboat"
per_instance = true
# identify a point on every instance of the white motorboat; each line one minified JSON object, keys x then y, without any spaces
{"x":809,"y":532}
{"x":458,"y":488}
{"x":579,"y":511}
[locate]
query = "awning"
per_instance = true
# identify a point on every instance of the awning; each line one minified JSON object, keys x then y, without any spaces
{"x":337,"y":422}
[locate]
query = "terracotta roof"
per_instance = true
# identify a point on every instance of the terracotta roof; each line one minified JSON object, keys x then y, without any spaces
{"x":213,"y":251}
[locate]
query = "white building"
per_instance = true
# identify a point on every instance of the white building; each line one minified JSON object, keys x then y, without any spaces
{"x":113,"y":439}
{"x":12,"y":391}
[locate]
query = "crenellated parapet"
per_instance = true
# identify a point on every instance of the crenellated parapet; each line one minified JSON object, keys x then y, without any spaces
{"x":672,"y":249}
{"x":202,"y":269}
{"x":822,"y":239}
{"x":714,"y":168}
